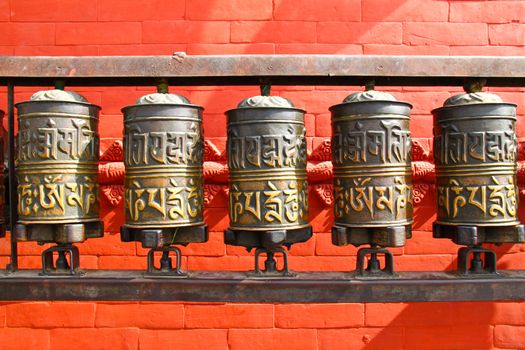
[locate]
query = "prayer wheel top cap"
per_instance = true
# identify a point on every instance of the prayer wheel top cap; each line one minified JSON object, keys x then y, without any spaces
{"x":472,"y":98}
{"x":163,"y":98}
{"x":57,"y":95}
{"x":369,"y":95}
{"x":266,"y":101}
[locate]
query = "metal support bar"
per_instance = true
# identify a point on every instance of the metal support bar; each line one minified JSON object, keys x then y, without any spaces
{"x":320,"y":287}
{"x":13,"y":264}
{"x":181,"y":69}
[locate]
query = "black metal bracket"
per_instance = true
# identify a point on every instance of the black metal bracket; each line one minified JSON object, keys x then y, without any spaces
{"x":483,"y":261}
{"x":270,"y":265}
{"x":166,"y":268}
{"x":61,"y":266}
{"x":373,"y":267}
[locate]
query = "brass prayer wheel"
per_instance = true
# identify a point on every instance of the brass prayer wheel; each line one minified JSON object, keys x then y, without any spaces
{"x":475,"y":152}
{"x":268,"y":192}
{"x":57,"y":168}
{"x":371,"y":156}
{"x":164,"y":185}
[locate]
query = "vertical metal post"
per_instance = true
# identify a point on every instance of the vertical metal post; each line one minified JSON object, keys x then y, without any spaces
{"x":13,"y":265}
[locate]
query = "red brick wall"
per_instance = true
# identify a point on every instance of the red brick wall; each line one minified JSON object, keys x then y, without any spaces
{"x":161,"y":27}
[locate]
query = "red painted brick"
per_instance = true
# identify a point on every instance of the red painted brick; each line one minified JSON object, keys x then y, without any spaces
{"x":425,"y":262}
{"x":405,"y":11}
{"x":509,"y":337}
{"x":423,"y":243}
{"x":263,"y":339}
{"x":375,"y":49}
{"x":51,"y":315}
{"x":86,"y":338}
{"x":73,"y":50}
{"x":421,"y":314}
{"x":113,"y":99}
{"x":361,"y":338}
{"x":110,"y":244}
{"x":187,"y":339}
{"x":230,"y":49}
{"x":314,"y":101}
{"x":445,"y":34}
{"x":140,"y":50}
{"x":514,"y":261}
{"x":419,"y":127}
{"x":509,"y":313}
{"x":487,"y":11}
{"x":219,"y":124}
{"x":229,"y":9}
{"x":304,"y":248}
{"x":274,"y":32}
{"x":313,"y":10}
{"x":487,"y":50}
{"x":315,"y":48}
{"x":138,"y":10}
{"x":309,"y":124}
{"x":27,"y":33}
{"x":185,"y":32}
{"x":98,"y":33}
{"x":228,"y":316}
{"x":214,"y":247}
{"x":149,"y":316}
{"x":507,"y":34}
{"x":223,"y":263}
{"x":53,"y":11}
{"x":319,"y":315}
{"x":122,"y":262}
{"x":323,"y":125}
{"x":322,"y":263}
{"x":450,"y":337}
{"x":2,"y":316}
{"x":24,"y":338}
{"x":216,"y":218}
{"x":324,"y":246}
{"x":4,"y":11}
{"x":359,"y":33}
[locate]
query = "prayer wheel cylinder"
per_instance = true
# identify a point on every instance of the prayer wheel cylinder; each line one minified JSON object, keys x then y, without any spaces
{"x":475,"y":151}
{"x":268,"y":191}
{"x":57,"y":168}
{"x":371,"y":156}
{"x":164,"y":185}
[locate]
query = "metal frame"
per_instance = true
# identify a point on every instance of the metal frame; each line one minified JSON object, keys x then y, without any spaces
{"x":183,"y":70}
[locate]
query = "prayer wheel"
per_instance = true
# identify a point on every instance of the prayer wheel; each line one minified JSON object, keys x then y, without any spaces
{"x":268,"y":192}
{"x":163,"y":156}
{"x":164,"y":185}
{"x":475,"y":151}
{"x":57,"y":173}
{"x":371,"y":156}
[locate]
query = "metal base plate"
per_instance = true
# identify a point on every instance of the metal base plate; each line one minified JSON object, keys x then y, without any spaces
{"x":59,"y":233}
{"x":161,"y":237}
{"x":476,"y":235}
{"x":267,"y":239}
{"x":391,"y":236}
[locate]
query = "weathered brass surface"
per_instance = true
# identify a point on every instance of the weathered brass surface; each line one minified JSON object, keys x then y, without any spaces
{"x":268,"y":192}
{"x":475,"y":151}
{"x":371,"y":155}
{"x":163,"y":156}
{"x":57,"y":168}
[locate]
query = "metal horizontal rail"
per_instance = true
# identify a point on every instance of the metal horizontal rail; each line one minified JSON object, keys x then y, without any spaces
{"x":321,"y":287}
{"x":258,"y":69}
